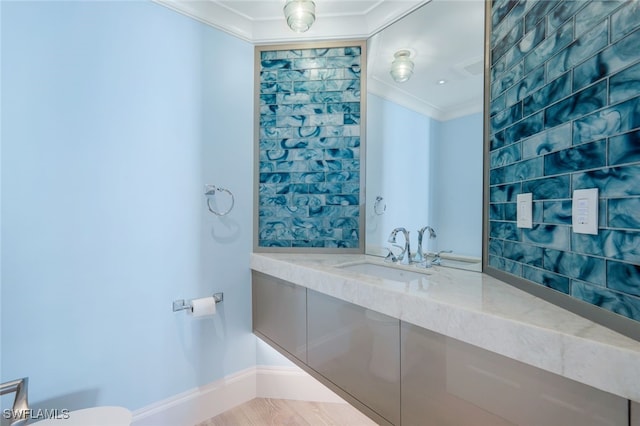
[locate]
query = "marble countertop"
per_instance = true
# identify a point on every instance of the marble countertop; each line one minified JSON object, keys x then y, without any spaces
{"x":478,"y":309}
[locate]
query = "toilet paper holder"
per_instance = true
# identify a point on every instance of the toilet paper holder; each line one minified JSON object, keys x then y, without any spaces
{"x":180,"y":305}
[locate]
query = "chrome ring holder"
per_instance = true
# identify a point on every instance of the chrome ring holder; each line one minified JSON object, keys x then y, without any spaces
{"x":210,"y":190}
{"x":376,"y":206}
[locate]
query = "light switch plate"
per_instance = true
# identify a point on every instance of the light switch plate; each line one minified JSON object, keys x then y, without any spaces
{"x":524,"y":210}
{"x":584,"y":210}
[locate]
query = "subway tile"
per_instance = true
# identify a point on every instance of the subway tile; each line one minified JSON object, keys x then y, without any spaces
{"x":500,"y":10}
{"x":548,"y":236}
{"x":613,"y":301}
{"x":528,"y":169}
{"x":548,"y":188}
{"x":275,"y":64}
{"x":504,"y":193}
{"x":547,"y":141}
{"x":510,"y":212}
{"x":277,"y":200}
{"x":293,"y":143}
{"x":549,"y":47}
{"x":529,"y":84}
{"x":582,"y":48}
{"x":523,"y":253}
{"x":504,"y":156}
{"x":496,"y":211}
{"x":342,"y":153}
{"x":515,"y":14}
{"x":520,"y":50}
{"x":610,"y":121}
{"x":525,"y":128}
{"x":625,"y":84}
{"x":552,"y":92}
{"x":561,"y":14}
{"x":343,"y":177}
{"x":557,"y":212}
{"x":624,"y":148}
{"x":535,"y":16}
{"x":506,"y":117}
{"x":342,"y":200}
{"x":497,"y":140}
{"x":546,"y":278}
{"x":610,"y":60}
{"x":613,"y":244}
{"x":586,"y":156}
{"x":498,"y":104}
{"x":308,"y":63}
{"x":578,"y":105}
{"x":512,"y":37}
{"x":307,"y":177}
{"x":594,"y":13}
{"x":572,"y":265}
{"x":622,"y":181}
{"x":496,"y":247}
{"x":504,"y":231}
{"x":625,"y":20}
{"x":624,"y":213}
{"x":624,"y":277}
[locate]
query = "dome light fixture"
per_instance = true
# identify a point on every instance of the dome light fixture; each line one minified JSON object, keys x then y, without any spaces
{"x":300,"y":14}
{"x":402,"y":66}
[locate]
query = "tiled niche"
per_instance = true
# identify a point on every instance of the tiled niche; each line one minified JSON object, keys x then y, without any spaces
{"x":565,"y":115}
{"x":309,"y":147}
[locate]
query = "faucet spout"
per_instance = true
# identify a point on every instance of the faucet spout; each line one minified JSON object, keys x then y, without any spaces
{"x":404,"y":257}
{"x":419,"y":256}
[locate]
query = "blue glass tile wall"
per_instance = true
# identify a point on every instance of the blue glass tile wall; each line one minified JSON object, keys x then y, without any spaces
{"x":565,"y":115}
{"x":309,"y":148}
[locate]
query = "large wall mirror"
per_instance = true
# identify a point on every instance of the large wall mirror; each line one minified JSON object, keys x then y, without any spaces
{"x":425,"y":135}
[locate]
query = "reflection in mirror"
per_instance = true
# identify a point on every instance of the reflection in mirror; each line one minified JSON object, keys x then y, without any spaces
{"x":424,"y":136}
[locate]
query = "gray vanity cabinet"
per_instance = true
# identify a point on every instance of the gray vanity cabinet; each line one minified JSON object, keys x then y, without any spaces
{"x":280,"y":314}
{"x":448,"y":382}
{"x":358,"y":350}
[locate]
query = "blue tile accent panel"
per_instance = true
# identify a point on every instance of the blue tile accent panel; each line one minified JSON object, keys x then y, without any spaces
{"x":557,"y":212}
{"x":610,"y":60}
{"x":546,"y":278}
{"x":618,"y":302}
{"x":586,"y":156}
{"x":625,"y":20}
{"x":624,"y":277}
{"x":577,"y":105}
{"x":564,"y":102}
{"x":551,"y":236}
{"x":523,"y":253}
{"x":617,"y":119}
{"x":309,"y":148}
{"x":547,"y":141}
{"x":624,"y":85}
{"x":554,"y":91}
{"x":612,"y":182}
{"x":624,"y":213}
{"x":582,"y":48}
{"x":584,"y":268}
{"x":624,"y":148}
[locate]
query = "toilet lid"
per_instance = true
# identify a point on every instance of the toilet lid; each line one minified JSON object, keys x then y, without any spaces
{"x":95,"y":416}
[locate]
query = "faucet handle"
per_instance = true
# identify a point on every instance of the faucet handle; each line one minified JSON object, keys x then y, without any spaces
{"x":390,"y":256}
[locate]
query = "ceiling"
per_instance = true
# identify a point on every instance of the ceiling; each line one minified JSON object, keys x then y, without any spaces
{"x":445,"y":36}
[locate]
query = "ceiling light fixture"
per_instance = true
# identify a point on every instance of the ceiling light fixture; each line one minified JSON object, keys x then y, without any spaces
{"x":402,"y":66}
{"x":300,"y":14}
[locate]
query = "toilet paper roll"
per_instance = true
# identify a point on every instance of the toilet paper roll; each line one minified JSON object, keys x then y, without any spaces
{"x":203,"y":307}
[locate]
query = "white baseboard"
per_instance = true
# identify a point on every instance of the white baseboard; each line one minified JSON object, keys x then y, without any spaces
{"x":197,"y":405}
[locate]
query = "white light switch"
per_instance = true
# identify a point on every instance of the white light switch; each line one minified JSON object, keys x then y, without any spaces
{"x":585,"y":211}
{"x":525,"y":210}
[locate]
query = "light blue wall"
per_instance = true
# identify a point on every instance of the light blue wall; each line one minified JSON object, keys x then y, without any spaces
{"x":428,"y":173}
{"x":114,"y":116}
{"x":457,"y":187}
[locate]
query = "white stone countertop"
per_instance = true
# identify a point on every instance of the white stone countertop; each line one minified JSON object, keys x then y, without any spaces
{"x":478,"y":309}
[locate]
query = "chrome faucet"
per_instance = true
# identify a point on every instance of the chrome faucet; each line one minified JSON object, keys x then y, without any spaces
{"x":420,"y":257}
{"x":404,"y":257}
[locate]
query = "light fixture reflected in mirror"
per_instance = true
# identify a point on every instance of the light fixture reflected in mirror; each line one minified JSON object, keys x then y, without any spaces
{"x":300,"y":14}
{"x":402,"y":66}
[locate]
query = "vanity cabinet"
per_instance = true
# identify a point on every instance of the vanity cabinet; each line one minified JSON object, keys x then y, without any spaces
{"x":280,"y":314}
{"x":449,"y":382}
{"x":400,"y":374}
{"x":358,"y":350}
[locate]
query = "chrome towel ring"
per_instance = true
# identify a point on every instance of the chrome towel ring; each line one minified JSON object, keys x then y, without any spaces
{"x":210,"y":190}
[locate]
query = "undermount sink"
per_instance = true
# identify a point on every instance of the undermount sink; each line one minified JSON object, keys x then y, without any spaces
{"x":385,"y":272}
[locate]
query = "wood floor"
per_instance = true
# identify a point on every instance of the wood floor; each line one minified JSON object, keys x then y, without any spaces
{"x":281,"y":412}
